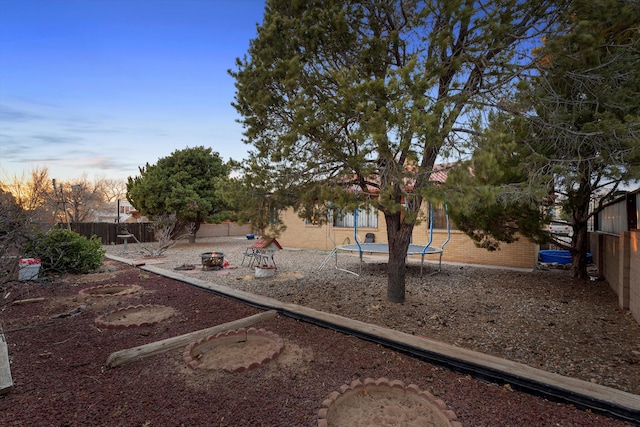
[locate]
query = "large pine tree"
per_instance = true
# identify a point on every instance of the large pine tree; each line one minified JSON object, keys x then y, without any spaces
{"x":570,"y":137}
{"x":184,"y":184}
{"x":346,"y":99}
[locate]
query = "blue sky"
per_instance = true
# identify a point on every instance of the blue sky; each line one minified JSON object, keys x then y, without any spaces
{"x":104,"y":86}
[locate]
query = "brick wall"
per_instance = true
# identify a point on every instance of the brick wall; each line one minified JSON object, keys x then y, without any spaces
{"x":460,"y":248}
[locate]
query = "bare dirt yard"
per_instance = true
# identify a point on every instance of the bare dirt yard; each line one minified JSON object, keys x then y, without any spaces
{"x":58,"y":346}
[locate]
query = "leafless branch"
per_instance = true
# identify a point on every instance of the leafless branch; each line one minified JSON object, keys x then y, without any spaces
{"x":163,"y":228}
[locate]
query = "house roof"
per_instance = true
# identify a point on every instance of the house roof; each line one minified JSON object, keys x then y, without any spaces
{"x":264,"y":243}
{"x":438,"y":175}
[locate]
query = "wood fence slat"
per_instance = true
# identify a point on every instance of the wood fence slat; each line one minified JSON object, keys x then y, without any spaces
{"x":108,"y":231}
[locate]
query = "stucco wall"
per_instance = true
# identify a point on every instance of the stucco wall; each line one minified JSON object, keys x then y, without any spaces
{"x":223,"y":230}
{"x":634,"y":274}
{"x":460,"y":248}
{"x":624,"y":290}
{"x":610,"y":269}
{"x":618,"y":261}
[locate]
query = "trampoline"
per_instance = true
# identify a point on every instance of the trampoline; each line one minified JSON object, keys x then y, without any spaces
{"x":383,"y":248}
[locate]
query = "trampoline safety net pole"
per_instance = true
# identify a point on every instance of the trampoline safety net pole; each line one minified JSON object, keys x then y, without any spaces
{"x":355,"y":235}
{"x":355,"y":229}
{"x":424,"y":250}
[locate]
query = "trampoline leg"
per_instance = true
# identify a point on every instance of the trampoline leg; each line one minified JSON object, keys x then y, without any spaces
{"x":333,"y":252}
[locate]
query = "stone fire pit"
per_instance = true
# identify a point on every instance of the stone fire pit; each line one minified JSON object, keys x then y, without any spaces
{"x":212,"y":260}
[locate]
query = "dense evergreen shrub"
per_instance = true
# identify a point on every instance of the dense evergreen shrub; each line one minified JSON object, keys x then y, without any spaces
{"x":65,"y":251}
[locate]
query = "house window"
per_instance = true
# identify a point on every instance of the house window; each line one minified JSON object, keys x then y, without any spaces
{"x":313,"y":218}
{"x":273,"y":216}
{"x":270,"y":213}
{"x":439,"y":218}
{"x":367,"y":218}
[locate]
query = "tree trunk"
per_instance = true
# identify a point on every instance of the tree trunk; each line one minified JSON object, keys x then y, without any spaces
{"x":580,"y":240}
{"x":196,"y":227}
{"x":399,"y":237}
{"x":579,"y":250}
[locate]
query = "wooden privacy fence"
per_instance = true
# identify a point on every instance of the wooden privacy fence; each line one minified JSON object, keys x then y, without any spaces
{"x":109,"y":232}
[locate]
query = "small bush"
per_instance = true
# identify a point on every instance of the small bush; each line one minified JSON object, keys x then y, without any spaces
{"x":64,"y":251}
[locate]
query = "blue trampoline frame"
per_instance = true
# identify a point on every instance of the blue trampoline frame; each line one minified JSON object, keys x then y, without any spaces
{"x":383,"y":248}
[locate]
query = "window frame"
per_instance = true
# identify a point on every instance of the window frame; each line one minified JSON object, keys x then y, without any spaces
{"x":346,"y":219}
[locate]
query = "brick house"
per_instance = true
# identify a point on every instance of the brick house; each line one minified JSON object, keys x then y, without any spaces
{"x":458,"y":247}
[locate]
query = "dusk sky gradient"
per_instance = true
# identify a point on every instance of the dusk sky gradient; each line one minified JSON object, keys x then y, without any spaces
{"x":104,"y":86}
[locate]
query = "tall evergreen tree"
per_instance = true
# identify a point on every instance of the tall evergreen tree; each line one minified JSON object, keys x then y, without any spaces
{"x":352,"y":101}
{"x":587,"y":110}
{"x":493,"y":197}
{"x":573,"y":132}
{"x":184,"y":184}
{"x":253,"y":197}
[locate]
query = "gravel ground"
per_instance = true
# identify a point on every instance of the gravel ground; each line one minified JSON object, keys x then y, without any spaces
{"x":542,"y":318}
{"x":58,"y":349}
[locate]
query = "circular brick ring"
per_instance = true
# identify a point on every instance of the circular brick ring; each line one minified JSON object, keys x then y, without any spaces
{"x":383,"y":402}
{"x":114,"y":290}
{"x":234,"y":351}
{"x":134,"y":316}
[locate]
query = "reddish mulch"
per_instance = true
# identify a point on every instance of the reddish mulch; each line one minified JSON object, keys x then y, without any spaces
{"x":60,"y":378}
